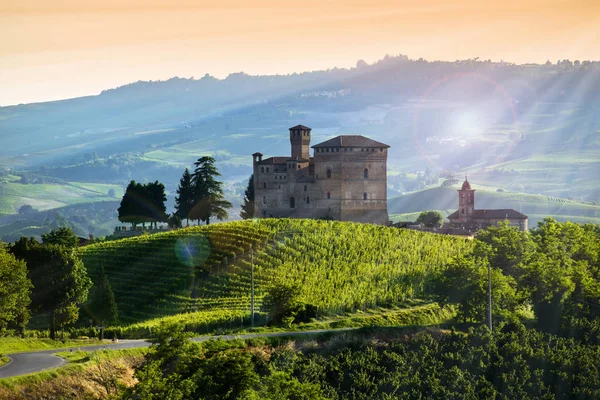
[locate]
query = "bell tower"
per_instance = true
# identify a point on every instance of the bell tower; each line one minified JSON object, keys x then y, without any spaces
{"x":466,"y":201}
{"x":300,"y":141}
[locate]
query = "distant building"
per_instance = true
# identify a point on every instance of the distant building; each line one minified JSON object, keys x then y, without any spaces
{"x":345,"y":180}
{"x":468,"y":218}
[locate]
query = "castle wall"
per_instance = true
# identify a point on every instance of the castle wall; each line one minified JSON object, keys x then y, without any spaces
{"x":334,"y":186}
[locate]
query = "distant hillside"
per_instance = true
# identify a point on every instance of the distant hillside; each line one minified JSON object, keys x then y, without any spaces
{"x":208,"y":267}
{"x":524,"y":128}
{"x":536,"y":207}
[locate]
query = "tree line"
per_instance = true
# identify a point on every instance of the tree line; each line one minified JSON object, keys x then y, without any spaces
{"x":46,"y":279}
{"x":199,"y":198}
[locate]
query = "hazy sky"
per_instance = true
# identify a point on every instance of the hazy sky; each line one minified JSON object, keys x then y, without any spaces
{"x":56,"y":49}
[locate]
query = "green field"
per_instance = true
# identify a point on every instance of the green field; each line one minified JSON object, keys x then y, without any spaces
{"x":206,"y":270}
{"x":14,"y":195}
{"x":536,"y":207}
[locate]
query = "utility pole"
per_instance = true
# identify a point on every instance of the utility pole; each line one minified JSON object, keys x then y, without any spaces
{"x":252,"y":287}
{"x":489,"y":296}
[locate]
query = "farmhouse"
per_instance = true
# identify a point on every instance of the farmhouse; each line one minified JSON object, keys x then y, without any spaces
{"x":468,"y":218}
{"x":345,"y":179}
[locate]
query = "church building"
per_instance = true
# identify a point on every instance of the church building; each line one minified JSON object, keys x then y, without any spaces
{"x":468,"y":218}
{"x":345,"y":179}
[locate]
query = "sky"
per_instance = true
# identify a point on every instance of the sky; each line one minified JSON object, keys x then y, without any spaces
{"x":57,"y":49}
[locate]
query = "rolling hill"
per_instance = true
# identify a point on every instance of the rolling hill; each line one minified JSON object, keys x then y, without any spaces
{"x":536,"y":207}
{"x":206,"y":270}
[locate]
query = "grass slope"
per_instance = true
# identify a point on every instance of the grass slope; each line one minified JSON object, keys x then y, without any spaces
{"x":536,"y":207}
{"x":207,"y":269}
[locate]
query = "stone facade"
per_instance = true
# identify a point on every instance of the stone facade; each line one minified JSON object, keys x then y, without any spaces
{"x":345,"y":180}
{"x":468,"y":218}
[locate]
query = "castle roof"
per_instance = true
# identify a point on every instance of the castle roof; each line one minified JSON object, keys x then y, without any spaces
{"x":302,"y":127}
{"x":350,"y":141}
{"x":491,"y":214}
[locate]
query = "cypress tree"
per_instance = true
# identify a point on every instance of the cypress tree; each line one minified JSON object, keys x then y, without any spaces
{"x":184,"y":201}
{"x":248,"y":206}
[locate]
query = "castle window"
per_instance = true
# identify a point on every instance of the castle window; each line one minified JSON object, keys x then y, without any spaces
{"x":264,"y":213}
{"x":365,"y":196}
{"x":298,"y":167}
{"x":264,"y":185}
{"x":262,"y":169}
{"x":328,"y":173}
{"x":292,"y":202}
{"x":264,"y":199}
{"x":305,"y":188}
{"x":328,"y":195}
{"x":307,"y":200}
{"x":462,"y":211}
{"x":366,"y":173}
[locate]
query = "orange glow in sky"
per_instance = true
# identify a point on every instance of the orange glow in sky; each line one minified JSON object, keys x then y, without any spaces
{"x":60,"y":49}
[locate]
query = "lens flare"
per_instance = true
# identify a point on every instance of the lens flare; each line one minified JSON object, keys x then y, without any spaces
{"x":192,"y":250}
{"x":466,"y":122}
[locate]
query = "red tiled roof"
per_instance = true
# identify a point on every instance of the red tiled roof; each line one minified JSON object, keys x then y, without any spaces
{"x":492,"y":214}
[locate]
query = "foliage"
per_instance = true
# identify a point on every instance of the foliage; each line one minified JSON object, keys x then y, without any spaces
{"x":208,"y":267}
{"x":174,"y":221}
{"x":431,"y":219}
{"x":282,"y":301}
{"x":15,"y":288}
{"x":247,"y":211}
{"x":61,"y":237}
{"x":554,"y":268}
{"x":59,"y":278}
{"x":208,"y":197}
{"x":513,"y":362}
{"x":143,"y":203}
{"x":465,"y":283}
{"x":107,"y":311}
{"x":184,"y":201}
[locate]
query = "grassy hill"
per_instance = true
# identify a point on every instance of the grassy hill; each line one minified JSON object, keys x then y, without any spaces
{"x":536,"y":207}
{"x":207,"y":269}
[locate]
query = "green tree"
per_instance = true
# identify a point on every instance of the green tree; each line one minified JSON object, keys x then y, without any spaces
{"x":157,"y":211}
{"x":143,"y":203}
{"x":130,"y":210}
{"x":61,"y":236}
{"x":15,"y":289}
{"x":60,"y":281}
{"x":208,"y":192}
{"x":184,"y":201}
{"x":247,"y":211}
{"x":431,"y":219}
{"x":107,"y":310}
{"x":465,"y":283}
{"x":284,"y":305}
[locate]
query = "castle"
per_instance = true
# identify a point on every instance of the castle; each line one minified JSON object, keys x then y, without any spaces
{"x":468,"y":218}
{"x":345,"y":180}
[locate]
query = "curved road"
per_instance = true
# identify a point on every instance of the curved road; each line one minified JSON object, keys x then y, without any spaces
{"x":37,"y":361}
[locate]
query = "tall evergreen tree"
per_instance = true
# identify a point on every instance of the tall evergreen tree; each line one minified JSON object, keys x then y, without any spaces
{"x":248,"y":206}
{"x":208,"y":192}
{"x":184,"y":201}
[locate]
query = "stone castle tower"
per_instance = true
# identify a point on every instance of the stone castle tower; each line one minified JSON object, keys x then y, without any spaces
{"x":346,"y":180}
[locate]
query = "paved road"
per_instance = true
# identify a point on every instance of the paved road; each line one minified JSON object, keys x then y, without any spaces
{"x":37,"y":361}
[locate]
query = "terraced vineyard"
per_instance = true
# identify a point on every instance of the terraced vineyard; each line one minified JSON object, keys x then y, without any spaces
{"x":340,"y":266}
